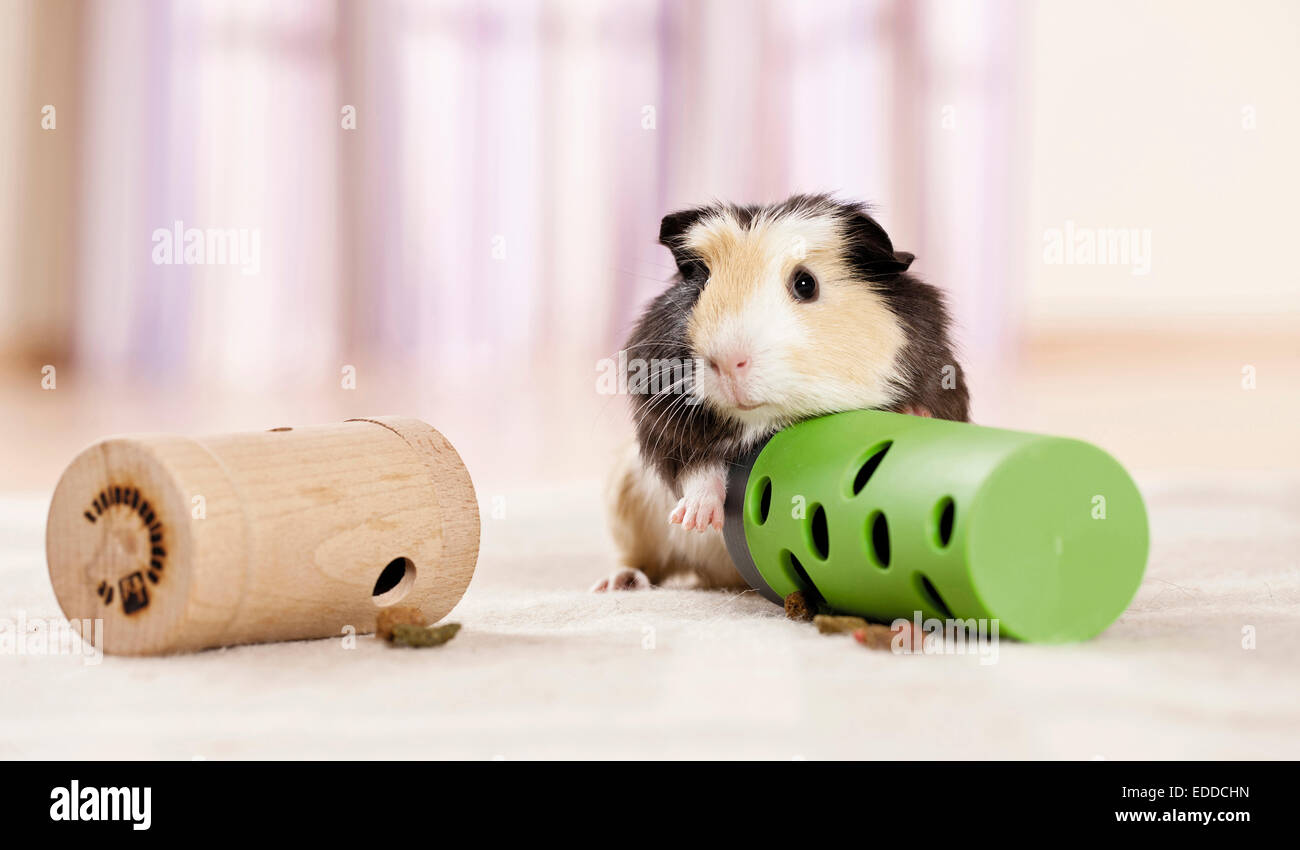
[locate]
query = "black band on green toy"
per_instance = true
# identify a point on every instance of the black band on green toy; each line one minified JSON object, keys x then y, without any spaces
{"x":733,"y":528}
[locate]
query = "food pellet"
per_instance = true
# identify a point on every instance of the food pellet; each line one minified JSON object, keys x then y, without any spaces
{"x":913,"y":639}
{"x":405,"y":634}
{"x":832,"y":625}
{"x":397,"y":615}
{"x":877,"y":636}
{"x":874,"y":636}
{"x":799,"y":607}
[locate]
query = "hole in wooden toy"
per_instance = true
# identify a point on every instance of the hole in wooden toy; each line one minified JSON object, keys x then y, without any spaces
{"x":821,"y":538}
{"x":945,"y":514}
{"x":763,"y":506}
{"x":930,"y":595}
{"x":394,"y":582}
{"x":281,"y":428}
{"x":867,"y":466}
{"x":878,"y":531}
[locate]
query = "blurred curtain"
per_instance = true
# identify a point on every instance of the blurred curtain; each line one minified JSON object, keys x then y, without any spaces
{"x":498,"y":200}
{"x":216,"y":115}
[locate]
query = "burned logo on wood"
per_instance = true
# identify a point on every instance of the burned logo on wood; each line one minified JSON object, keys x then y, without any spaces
{"x":122,"y":502}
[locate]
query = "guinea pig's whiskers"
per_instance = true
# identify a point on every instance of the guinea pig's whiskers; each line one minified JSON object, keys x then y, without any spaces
{"x":675,"y":399}
{"x":666,"y":392}
{"x":670,"y":408}
{"x":650,"y":342}
{"x":679,"y":435}
{"x":631,"y":273}
{"x":647,"y":407}
{"x":665,"y":412}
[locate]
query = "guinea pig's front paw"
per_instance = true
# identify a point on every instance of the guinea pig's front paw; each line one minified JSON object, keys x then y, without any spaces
{"x":700,"y":512}
{"x":622,"y":580}
{"x":704,"y":489}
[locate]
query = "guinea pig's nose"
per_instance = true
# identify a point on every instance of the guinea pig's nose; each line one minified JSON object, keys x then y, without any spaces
{"x":732,"y":365}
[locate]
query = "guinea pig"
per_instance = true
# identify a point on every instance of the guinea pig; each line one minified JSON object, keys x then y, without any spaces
{"x":777,"y":314}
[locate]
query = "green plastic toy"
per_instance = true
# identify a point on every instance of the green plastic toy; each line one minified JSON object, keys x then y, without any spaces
{"x":883,"y":515}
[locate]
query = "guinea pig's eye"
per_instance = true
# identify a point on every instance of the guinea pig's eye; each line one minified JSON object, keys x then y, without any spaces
{"x":803,"y":285}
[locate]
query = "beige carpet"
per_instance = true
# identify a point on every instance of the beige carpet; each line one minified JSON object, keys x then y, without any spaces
{"x":542,"y":669}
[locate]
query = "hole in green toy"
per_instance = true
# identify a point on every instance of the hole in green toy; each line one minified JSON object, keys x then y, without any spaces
{"x":930,"y":596}
{"x":878,"y":534}
{"x":821,"y":538}
{"x":795,"y":572}
{"x":867,"y":466}
{"x":762,"y":506}
{"x":945,"y":514}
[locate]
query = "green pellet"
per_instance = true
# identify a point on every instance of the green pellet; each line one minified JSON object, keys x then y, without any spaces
{"x":405,"y":634}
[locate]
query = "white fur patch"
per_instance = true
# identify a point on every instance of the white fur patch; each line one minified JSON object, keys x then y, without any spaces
{"x":838,"y":352}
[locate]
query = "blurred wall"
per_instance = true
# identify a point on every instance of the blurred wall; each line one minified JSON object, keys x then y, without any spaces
{"x":41,"y":86}
{"x":1177,"y":118}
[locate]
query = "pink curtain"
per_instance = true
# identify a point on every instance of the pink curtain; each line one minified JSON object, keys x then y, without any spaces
{"x":495,"y":209}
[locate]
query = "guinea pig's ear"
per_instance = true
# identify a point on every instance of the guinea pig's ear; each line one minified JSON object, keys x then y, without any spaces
{"x":675,"y":225}
{"x":672,"y":232}
{"x":870,"y":250}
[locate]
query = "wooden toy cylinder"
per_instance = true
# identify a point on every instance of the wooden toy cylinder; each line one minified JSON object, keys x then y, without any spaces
{"x":181,"y":544}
